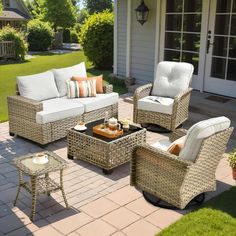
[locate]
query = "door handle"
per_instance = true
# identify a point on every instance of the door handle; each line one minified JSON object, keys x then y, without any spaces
{"x":209,"y":44}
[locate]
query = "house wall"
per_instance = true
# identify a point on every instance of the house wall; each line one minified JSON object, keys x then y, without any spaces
{"x":143,"y":44}
{"x":18,"y":5}
{"x":121,"y":36}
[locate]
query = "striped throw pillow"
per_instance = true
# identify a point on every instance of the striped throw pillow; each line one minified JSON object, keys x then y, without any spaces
{"x":87,"y":88}
{"x":72,"y":89}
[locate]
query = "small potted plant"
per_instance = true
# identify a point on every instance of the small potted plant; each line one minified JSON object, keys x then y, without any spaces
{"x":232,"y":162}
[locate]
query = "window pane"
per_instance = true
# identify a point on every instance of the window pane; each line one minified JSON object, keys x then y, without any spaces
{"x":233,"y":25}
{"x":173,"y":22}
{"x":172,"y":40}
{"x":174,"y":5}
{"x":223,"y":6}
{"x":232,"y":47}
{"x":193,"y":6}
{"x":222,"y":24}
{"x":172,"y":55}
{"x":231,"y":75}
{"x":220,"y":46}
{"x":234,"y":6}
{"x":192,"y":22}
{"x":191,"y":58}
{"x":218,"y":68}
{"x":191,"y":42}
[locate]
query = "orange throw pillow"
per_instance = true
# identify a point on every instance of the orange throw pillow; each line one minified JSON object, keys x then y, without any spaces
{"x":176,"y":146}
{"x":99,"y":81}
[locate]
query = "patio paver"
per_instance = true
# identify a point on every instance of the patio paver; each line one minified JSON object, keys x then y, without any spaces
{"x":98,"y":202}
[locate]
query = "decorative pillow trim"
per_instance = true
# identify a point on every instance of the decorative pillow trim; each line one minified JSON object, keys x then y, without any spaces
{"x":73,"y":90}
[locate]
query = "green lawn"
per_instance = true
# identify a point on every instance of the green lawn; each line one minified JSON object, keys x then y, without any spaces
{"x":41,"y":63}
{"x":216,"y":217}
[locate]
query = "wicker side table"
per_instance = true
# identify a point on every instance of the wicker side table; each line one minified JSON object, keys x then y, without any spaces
{"x":40,"y":182}
{"x":103,"y":152}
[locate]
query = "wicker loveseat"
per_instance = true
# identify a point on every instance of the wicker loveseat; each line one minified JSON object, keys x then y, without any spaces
{"x":179,"y":179}
{"x":171,"y":88}
{"x":46,"y":120}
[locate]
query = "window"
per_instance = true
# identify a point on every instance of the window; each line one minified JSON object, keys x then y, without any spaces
{"x":6,"y":3}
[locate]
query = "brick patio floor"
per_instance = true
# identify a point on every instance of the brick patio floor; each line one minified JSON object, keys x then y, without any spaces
{"x":99,"y":205}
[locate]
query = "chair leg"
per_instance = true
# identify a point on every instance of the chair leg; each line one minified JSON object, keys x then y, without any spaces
{"x":162,"y":204}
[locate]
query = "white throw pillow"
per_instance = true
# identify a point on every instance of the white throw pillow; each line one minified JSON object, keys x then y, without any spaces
{"x":172,"y":78}
{"x":38,"y":87}
{"x":200,"y":131}
{"x":64,"y":74}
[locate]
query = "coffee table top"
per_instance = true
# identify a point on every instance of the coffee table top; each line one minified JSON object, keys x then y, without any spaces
{"x":26,"y":164}
{"x":89,"y":132}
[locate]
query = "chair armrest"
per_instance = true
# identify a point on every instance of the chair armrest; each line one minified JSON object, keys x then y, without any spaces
{"x":178,"y":133}
{"x":139,"y":93}
{"x":142,"y":91}
{"x":182,"y":95}
{"x":180,"y":108}
{"x":108,"y":88}
{"x":26,"y":108}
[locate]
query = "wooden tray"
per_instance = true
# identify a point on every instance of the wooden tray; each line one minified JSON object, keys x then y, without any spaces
{"x":106,"y":132}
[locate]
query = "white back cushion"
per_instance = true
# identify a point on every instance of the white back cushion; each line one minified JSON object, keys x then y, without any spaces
{"x":200,"y":131}
{"x":38,"y":87}
{"x":172,"y":78}
{"x":64,"y":74}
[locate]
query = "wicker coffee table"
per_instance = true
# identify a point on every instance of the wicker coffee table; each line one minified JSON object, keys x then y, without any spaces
{"x":103,"y":152}
{"x":40,"y":182}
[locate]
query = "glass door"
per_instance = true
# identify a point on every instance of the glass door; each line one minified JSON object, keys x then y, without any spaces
{"x":220,"y":74}
{"x":183,"y":34}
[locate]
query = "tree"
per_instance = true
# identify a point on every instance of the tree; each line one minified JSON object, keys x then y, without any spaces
{"x":59,"y":13}
{"x":34,"y":8}
{"x":98,"y":6}
{"x":96,"y":38}
{"x":1,"y":7}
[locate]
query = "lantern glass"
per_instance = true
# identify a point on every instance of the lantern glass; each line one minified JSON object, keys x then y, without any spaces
{"x":142,"y":13}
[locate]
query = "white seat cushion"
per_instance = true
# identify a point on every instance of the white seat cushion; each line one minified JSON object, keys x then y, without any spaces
{"x":198,"y":132}
{"x":165,"y":105}
{"x":172,"y":78}
{"x":64,"y":74}
{"x":162,"y":144}
{"x":38,"y":87}
{"x":58,"y":109}
{"x":100,"y":101}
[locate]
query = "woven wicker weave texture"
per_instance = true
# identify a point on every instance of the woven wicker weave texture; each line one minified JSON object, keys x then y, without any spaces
{"x":174,"y":180}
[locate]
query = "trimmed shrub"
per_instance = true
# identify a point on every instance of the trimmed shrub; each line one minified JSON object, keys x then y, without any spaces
{"x":40,"y":35}
{"x":96,"y":38}
{"x":10,"y":34}
{"x":73,"y":36}
{"x":66,"y":36}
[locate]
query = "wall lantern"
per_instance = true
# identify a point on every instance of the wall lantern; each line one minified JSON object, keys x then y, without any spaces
{"x":142,"y":12}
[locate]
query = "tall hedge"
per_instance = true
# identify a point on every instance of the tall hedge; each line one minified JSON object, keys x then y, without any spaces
{"x":96,"y":38}
{"x":40,"y":35}
{"x":8,"y":33}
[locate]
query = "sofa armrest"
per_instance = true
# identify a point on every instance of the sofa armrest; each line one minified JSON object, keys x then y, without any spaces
{"x":21,"y":107}
{"x":108,"y":88}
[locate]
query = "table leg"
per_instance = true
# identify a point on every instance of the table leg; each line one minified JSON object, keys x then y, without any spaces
{"x":47,"y":180}
{"x":20,"y":183}
{"x":33,"y":203}
{"x":62,"y":188}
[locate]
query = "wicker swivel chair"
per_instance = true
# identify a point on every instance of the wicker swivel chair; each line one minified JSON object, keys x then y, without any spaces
{"x":171,"y":88}
{"x":177,"y":180}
